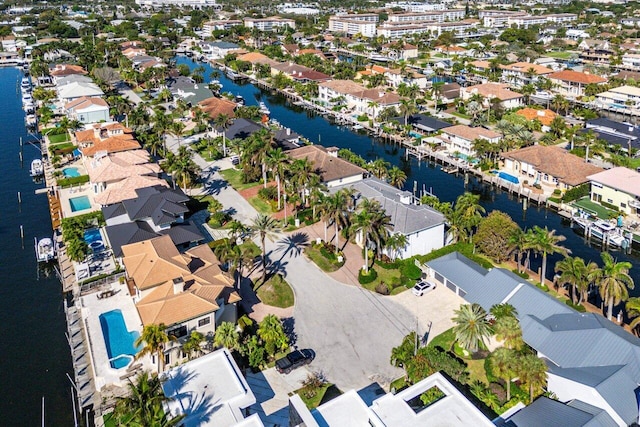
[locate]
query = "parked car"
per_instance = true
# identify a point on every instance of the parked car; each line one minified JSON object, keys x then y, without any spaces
{"x":423,"y":287}
{"x":294,"y":360}
{"x":235,"y":160}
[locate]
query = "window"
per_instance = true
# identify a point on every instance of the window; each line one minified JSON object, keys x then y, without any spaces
{"x":623,"y":205}
{"x":167,"y":359}
{"x":178,"y":332}
{"x":204,"y":321}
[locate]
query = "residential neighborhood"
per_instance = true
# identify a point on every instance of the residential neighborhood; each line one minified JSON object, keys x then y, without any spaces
{"x":325,"y":214}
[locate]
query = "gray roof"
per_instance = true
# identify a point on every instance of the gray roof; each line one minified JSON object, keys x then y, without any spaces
{"x":242,"y":128}
{"x":160,"y":204}
{"x":138,"y":231}
{"x":424,"y":122}
{"x":79,"y":78}
{"x":545,"y":411}
{"x":184,"y":85}
{"x":406,"y":218}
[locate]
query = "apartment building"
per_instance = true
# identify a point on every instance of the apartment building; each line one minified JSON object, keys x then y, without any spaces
{"x":364,"y":24}
{"x":220,"y":25}
{"x":269,"y":24}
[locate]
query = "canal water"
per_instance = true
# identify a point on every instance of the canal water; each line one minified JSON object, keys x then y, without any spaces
{"x":447,"y":187}
{"x":34,"y":355}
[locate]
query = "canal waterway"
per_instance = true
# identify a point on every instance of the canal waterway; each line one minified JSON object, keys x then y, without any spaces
{"x":34,"y":355}
{"x":447,"y":187}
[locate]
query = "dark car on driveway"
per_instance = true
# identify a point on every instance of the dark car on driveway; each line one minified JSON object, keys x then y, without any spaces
{"x":294,"y":360}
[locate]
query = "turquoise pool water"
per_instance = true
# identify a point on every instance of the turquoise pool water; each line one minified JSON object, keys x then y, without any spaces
{"x":70,"y":172}
{"x":79,"y":203}
{"x":118,"y":339}
{"x":94,"y":239}
{"x":509,"y":177}
{"x":415,"y":134}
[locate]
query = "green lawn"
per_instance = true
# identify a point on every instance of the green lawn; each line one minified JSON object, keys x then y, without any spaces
{"x":57,"y":139}
{"x":276,"y":292}
{"x":444,"y":340}
{"x":559,"y":55}
{"x":320,"y":260}
{"x":253,"y":249}
{"x":593,"y":207}
{"x":462,"y":116}
{"x":260,"y":205}
{"x":392,"y":277}
{"x":314,"y":399}
{"x":234,"y":177}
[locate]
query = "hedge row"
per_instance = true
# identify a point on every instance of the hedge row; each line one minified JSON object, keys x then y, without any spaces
{"x":68,"y":182}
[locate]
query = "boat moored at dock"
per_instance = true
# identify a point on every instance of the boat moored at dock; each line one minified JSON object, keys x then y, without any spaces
{"x":45,"y":249}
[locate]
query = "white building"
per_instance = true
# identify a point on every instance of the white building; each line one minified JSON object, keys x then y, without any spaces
{"x":75,"y":90}
{"x":226,"y":24}
{"x":352,"y":24}
{"x":195,"y":4}
{"x":357,"y":98}
{"x":623,"y":97}
{"x":526,"y":21}
{"x":437,"y":16}
{"x":619,"y":187}
{"x":269,"y":24}
{"x":210,"y":391}
{"x":630,"y":61}
{"x":88,"y":110}
{"x":459,"y":138}
{"x":411,"y":6}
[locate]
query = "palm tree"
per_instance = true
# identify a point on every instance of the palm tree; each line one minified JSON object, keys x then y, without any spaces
{"x":468,"y":212}
{"x":546,"y":242}
{"x":272,"y":333}
{"x":407,"y":108}
{"x":574,"y":272}
{"x":183,"y":166}
{"x":265,"y":226}
{"x":614,"y":281}
{"x":532,"y":371}
{"x":372,"y":224}
{"x":154,"y":338}
{"x":518,"y":241}
{"x":302,"y":174}
{"x":395,"y":244}
{"x":277,"y":161}
{"x":507,"y":329}
{"x":396,"y":177}
{"x":338,"y":213}
{"x":499,"y":311}
{"x":471,"y":326}
{"x":227,"y":336}
{"x":223,"y":121}
{"x":503,"y":361}
{"x":633,"y":311}
{"x":193,"y":344}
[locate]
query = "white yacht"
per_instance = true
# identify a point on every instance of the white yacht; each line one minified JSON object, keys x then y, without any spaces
{"x":45,"y":249}
{"x":600,"y":229}
{"x":37,"y":168}
{"x":263,"y":108}
{"x":25,"y":83}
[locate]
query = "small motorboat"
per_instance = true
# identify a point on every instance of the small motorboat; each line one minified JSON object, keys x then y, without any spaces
{"x":37,"y":168}
{"x":45,"y":249}
{"x":25,"y":83}
{"x":31,"y":120}
{"x":264,"y":109}
{"x":600,"y":229}
{"x":239,"y":100}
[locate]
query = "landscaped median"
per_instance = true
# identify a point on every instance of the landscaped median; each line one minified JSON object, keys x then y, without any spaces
{"x":276,"y":292}
{"x":324,"y":256}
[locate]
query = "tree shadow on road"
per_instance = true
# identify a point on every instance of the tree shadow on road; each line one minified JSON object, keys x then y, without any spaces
{"x":288,"y":325}
{"x":293,"y":244}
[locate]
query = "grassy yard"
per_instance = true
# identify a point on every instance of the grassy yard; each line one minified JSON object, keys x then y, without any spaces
{"x":57,"y":139}
{"x":234,"y":177}
{"x":320,"y":260}
{"x":444,"y":340}
{"x":392,"y":277}
{"x":318,"y":396}
{"x":260,"y":205}
{"x":462,"y":116}
{"x":559,"y":55}
{"x":253,"y":249}
{"x":276,"y":292}
{"x":593,"y":207}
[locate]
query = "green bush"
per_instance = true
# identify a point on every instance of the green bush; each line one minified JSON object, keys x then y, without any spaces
{"x":411,"y":271}
{"x":219,"y":242}
{"x":576,"y":193}
{"x":609,"y":206}
{"x":363,"y":118}
{"x":578,"y":307}
{"x":488,"y":369}
{"x":68,"y":182}
{"x":557,"y":192}
{"x":365,"y":278}
{"x":268,"y":193}
{"x":465,"y":249}
{"x":218,"y":219}
{"x":388,"y":265}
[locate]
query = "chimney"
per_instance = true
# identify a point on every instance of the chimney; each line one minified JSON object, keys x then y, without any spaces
{"x":178,"y":285}
{"x":630,"y":128}
{"x":405,"y":198}
{"x":288,"y":131}
{"x":332,"y":151}
{"x":380,"y":94}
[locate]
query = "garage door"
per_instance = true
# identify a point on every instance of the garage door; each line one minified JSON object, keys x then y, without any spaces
{"x":439,"y":277}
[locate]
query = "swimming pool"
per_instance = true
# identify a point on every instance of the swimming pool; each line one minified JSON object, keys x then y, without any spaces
{"x":509,"y":177}
{"x":79,"y":203}
{"x":118,"y":339}
{"x":94,"y":239}
{"x":415,"y":134}
{"x":70,"y":172}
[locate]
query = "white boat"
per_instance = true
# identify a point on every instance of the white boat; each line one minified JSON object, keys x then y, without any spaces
{"x":25,"y":83}
{"x":239,"y":100}
{"x":600,"y":228}
{"x":31,"y":120}
{"x":581,"y":222}
{"x":263,"y":108}
{"x":27,"y":99}
{"x":37,"y":167}
{"x":616,"y":239}
{"x":45,"y":250}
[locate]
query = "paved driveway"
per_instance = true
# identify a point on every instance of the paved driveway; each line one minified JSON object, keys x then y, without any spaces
{"x":351,"y":330}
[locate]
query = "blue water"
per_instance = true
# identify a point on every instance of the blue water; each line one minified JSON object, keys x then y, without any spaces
{"x":70,"y":172}
{"x":117,"y":338}
{"x":415,"y":134}
{"x":34,"y":354}
{"x":508,"y":177}
{"x":79,"y":203}
{"x":423,"y":174}
{"x":92,"y":235}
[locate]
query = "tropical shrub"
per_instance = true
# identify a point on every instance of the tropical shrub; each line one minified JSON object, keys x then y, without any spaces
{"x":411,"y":271}
{"x":367,"y":277}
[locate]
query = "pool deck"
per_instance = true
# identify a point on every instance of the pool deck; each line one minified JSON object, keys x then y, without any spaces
{"x":69,"y":193}
{"x":91,"y":308}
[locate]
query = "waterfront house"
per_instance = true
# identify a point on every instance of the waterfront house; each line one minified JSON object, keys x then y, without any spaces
{"x":459,"y":138}
{"x":286,"y":138}
{"x":333,"y":170}
{"x":105,"y":137}
{"x":88,"y":110}
{"x":75,"y":90}
{"x":500,"y":91}
{"x":424,"y":123}
{"x":256,"y":58}
{"x":589,"y":359}
{"x":572,"y":83}
{"x":423,"y":226}
{"x":63,"y":70}
{"x":185,"y":291}
{"x":357,"y":98}
{"x":214,"y":377}
{"x":214,"y":106}
{"x":187,"y":89}
{"x":217,"y":49}
{"x":618,"y":187}
{"x":239,"y":129}
{"x":106,"y":169}
{"x":153,"y":212}
{"x":401,"y":409}
{"x":623,"y":99}
{"x":299,"y":73}
{"x":551,"y":166}
{"x":574,"y":413}
{"x":396,"y":76}
{"x":624,"y":135}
